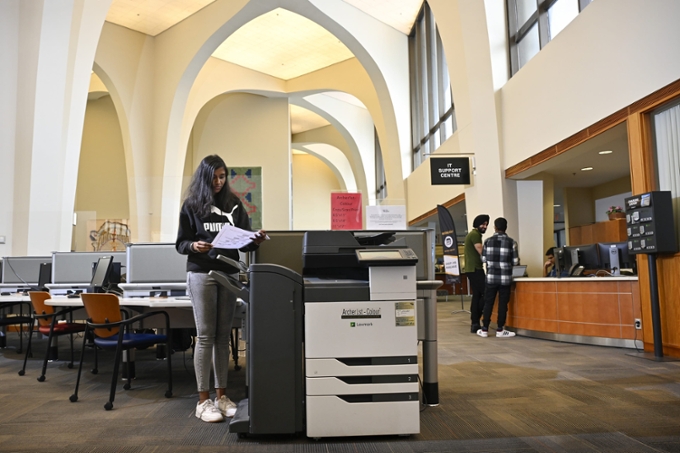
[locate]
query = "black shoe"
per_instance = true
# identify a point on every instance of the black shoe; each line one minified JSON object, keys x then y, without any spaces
{"x":475,"y":328}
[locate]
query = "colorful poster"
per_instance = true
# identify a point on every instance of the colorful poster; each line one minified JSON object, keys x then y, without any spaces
{"x":346,"y":211}
{"x":246,"y":183}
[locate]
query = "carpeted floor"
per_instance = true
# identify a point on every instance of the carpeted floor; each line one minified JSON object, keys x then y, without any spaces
{"x":496,"y":395}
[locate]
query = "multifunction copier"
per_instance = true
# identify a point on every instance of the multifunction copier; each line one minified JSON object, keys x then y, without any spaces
{"x":333,"y":352}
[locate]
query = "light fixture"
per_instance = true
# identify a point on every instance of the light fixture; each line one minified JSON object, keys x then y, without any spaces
{"x":556,"y":205}
{"x":606,"y":152}
{"x":586,"y":168}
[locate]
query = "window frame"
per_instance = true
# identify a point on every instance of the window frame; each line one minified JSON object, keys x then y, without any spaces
{"x":517,"y":32}
{"x":431,"y":105}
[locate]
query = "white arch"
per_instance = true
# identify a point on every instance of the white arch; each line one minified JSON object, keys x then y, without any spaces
{"x":356,"y":127}
{"x":181,"y":59}
{"x":336,"y":161}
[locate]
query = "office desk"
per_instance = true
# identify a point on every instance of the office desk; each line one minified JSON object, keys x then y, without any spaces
{"x":179,"y":310}
{"x":14,"y":298}
{"x":589,"y":310}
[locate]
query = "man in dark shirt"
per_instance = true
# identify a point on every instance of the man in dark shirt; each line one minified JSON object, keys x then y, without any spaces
{"x":500,"y":254}
{"x":474,"y":269}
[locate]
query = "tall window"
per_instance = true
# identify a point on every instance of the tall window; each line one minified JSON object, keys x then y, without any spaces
{"x":533,"y":23}
{"x":432,"y":118}
{"x":666,"y":121}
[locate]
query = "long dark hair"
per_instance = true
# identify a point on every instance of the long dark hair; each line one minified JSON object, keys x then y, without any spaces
{"x":199,"y":195}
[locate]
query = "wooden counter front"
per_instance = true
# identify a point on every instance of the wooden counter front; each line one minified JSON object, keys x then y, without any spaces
{"x":588,"y":310}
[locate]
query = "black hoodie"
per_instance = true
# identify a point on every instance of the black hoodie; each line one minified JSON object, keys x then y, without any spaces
{"x":193,"y":228}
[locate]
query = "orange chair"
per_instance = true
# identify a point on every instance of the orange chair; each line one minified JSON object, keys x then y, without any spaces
{"x":48,"y":325}
{"x":109,"y":327}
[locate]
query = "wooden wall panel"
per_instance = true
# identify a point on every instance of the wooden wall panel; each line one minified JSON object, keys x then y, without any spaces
{"x":597,"y":308}
{"x":581,"y":287}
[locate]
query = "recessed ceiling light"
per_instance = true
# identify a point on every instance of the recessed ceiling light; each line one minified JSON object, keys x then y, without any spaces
{"x":586,"y":168}
{"x":606,"y":152}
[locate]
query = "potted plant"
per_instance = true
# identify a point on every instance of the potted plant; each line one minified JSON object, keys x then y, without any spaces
{"x":616,"y":212}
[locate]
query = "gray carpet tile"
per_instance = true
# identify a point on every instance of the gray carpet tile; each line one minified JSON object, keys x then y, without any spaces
{"x":496,"y":395}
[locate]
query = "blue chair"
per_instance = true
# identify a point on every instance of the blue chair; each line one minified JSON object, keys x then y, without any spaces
{"x":112,"y":331}
{"x":47,"y":317}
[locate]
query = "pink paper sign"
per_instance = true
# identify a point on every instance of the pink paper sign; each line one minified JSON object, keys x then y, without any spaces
{"x":346,"y":211}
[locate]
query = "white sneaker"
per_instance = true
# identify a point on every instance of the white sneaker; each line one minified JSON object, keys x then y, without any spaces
{"x":226,"y":406}
{"x":207,"y":412}
{"x":504,"y":334}
{"x":482,"y":333}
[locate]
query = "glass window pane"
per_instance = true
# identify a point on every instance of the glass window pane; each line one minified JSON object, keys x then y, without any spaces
{"x":525,"y":8}
{"x":448,"y":127}
{"x":529,"y":45}
{"x":560,"y":14}
{"x":436,"y":139}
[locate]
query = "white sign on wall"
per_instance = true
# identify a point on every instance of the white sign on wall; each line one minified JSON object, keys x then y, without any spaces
{"x":383,"y":217}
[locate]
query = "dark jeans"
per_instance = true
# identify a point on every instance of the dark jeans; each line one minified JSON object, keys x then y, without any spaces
{"x":490,"y":292}
{"x":476,"y":280}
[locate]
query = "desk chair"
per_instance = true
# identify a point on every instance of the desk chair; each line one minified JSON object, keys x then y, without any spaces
{"x":47,"y":325}
{"x":20,"y":320}
{"x":111,"y":331}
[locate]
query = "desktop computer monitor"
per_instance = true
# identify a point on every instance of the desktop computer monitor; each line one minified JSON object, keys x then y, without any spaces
{"x":45,"y":276}
{"x":614,"y":256}
{"x":102,"y":272}
{"x":585,"y":256}
{"x":560,"y":261}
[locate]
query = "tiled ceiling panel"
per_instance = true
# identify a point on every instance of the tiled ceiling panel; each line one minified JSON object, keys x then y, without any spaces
{"x":399,"y":14}
{"x":284,"y":45}
{"x":152,"y":17}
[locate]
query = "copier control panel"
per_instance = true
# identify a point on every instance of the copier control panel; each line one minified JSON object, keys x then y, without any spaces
{"x":386,"y":257}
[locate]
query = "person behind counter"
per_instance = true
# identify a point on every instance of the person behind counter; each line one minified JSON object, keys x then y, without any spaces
{"x":209,"y":204}
{"x":474,"y":269}
{"x":500,"y":254}
{"x":549,"y":266}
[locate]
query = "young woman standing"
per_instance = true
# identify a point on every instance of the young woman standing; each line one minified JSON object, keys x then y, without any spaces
{"x":208,"y":205}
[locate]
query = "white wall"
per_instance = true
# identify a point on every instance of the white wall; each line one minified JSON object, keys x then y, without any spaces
{"x":529,"y":239}
{"x":603,"y":204}
{"x":313,"y":183}
{"x":9,"y":55}
{"x":612,"y":54}
{"x":102,"y":177}
{"x":249,"y":130}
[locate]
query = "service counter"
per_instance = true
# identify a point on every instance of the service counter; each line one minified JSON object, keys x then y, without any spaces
{"x":590,"y":310}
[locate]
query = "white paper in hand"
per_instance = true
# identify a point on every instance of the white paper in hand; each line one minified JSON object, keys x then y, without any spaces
{"x":231,"y":237}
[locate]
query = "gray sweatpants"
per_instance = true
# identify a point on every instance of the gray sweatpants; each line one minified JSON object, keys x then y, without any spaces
{"x":214,"y":308}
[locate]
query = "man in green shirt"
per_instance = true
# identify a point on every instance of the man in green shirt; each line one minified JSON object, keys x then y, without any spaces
{"x":474,"y":270}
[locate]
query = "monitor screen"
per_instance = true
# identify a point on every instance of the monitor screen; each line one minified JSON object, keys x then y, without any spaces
{"x":625,"y":261}
{"x":583,"y":255}
{"x":101,"y":272}
{"x":45,"y":275}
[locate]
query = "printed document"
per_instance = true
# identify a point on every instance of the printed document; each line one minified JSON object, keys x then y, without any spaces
{"x":231,"y":237}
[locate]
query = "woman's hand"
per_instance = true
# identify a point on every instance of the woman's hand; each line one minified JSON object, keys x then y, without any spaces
{"x":260,"y":237}
{"x":201,"y":246}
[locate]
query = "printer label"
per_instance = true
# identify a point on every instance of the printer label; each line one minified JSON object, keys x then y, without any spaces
{"x":361,"y":313}
{"x":404,"y":314}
